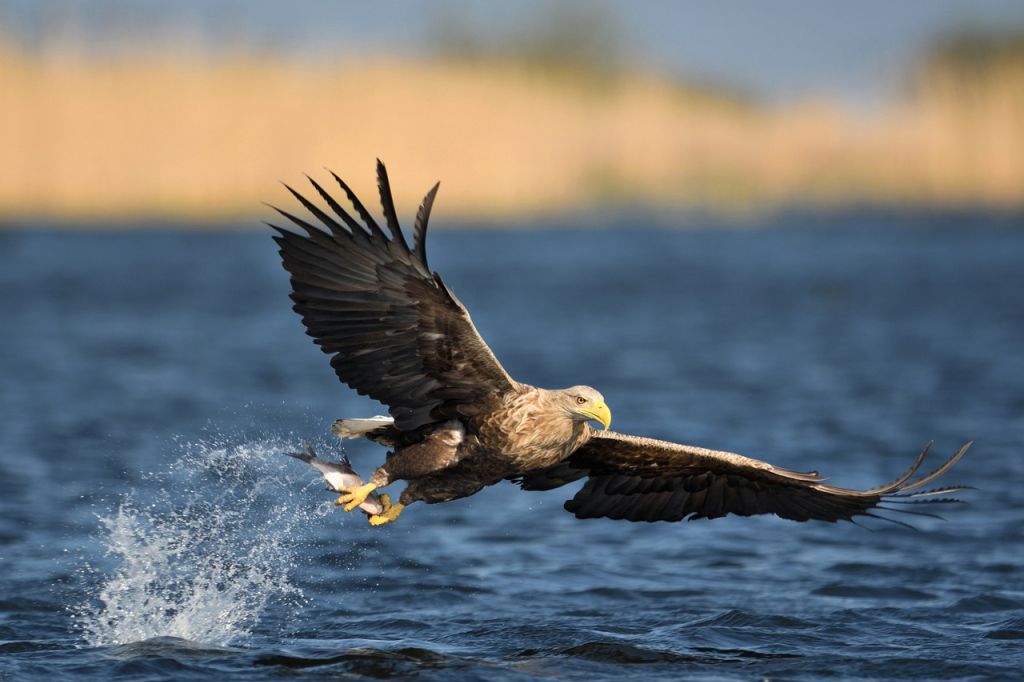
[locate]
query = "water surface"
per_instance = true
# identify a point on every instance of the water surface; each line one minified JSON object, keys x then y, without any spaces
{"x":153,"y":529}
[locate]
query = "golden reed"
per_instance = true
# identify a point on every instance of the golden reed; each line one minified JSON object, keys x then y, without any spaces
{"x":203,"y":138}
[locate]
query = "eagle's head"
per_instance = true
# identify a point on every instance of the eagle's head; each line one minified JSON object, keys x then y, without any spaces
{"x":584,"y":403}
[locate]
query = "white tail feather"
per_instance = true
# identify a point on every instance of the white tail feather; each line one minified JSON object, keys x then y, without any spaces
{"x":357,"y":428}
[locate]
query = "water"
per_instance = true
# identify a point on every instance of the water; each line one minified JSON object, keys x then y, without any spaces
{"x":153,"y":529}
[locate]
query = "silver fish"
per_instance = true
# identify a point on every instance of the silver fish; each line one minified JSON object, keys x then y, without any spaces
{"x":339,"y":476}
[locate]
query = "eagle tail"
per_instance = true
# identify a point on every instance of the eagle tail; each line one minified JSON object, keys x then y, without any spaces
{"x":380,"y":429}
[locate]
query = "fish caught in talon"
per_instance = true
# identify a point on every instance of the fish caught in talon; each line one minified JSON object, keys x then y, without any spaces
{"x":341,"y":478}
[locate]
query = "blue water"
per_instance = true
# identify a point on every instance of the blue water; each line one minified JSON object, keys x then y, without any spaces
{"x":152,"y":527}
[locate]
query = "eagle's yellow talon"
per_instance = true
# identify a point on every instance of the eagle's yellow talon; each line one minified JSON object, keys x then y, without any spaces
{"x":385,"y":501}
{"x":390,"y":513}
{"x":354,"y":497}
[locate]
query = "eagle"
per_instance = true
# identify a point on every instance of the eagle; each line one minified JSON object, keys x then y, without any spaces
{"x":458,"y":422}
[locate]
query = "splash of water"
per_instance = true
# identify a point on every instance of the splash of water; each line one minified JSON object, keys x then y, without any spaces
{"x":205,"y":557}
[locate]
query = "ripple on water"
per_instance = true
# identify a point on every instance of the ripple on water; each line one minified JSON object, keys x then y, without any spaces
{"x":623,"y":652}
{"x":1011,"y":628}
{"x":620,"y":652}
{"x":168,"y":647}
{"x":736,"y":618}
{"x":986,"y":603}
{"x":848,"y":591}
{"x":371,"y":662}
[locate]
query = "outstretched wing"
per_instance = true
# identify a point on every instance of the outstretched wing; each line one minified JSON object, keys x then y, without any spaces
{"x":642,"y":479}
{"x":395,"y":331}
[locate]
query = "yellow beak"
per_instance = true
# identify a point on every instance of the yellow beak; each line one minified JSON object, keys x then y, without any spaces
{"x":599,"y":412}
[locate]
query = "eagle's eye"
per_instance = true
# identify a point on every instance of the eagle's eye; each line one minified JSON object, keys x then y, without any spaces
{"x":580,"y":400}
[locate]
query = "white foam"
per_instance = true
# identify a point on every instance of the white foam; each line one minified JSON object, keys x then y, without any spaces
{"x":204,"y":558}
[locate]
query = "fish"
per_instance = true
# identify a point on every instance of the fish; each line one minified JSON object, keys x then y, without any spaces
{"x":340,"y":476}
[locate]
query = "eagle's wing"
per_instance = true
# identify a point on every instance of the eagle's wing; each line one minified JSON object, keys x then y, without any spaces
{"x":642,"y":479}
{"x":396,"y":332}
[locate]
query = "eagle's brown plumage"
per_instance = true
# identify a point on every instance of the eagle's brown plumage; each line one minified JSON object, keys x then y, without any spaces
{"x":398,"y":334}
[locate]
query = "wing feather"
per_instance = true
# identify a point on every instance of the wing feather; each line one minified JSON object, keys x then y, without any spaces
{"x":642,"y":479}
{"x":394,"y":330}
{"x":419,"y":230}
{"x":388,"y":204}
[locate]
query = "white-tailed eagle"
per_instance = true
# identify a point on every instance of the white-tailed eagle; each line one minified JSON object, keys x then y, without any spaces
{"x":458,"y":422}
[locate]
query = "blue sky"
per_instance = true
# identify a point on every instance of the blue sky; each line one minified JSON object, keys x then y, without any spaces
{"x":856,"y":50}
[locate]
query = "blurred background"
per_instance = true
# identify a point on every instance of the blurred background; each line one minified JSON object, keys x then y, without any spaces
{"x":117,"y":109}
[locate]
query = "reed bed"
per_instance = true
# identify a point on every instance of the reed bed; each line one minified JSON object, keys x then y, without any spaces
{"x":205,"y":138}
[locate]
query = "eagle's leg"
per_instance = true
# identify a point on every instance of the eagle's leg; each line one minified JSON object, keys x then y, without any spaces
{"x":393,"y":510}
{"x":390,"y":512}
{"x":354,"y":497}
